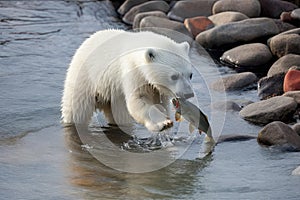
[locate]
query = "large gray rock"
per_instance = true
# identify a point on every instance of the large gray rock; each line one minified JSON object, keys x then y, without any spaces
{"x":227,"y":17}
{"x":296,"y":14}
{"x":283,"y":64}
{"x":188,"y":9}
{"x":234,"y":82}
{"x":145,"y":7}
{"x":294,"y":94}
{"x":286,"y":43}
{"x":270,"y":86}
{"x":279,"y":134}
{"x":138,"y":18}
{"x":249,"y":56}
{"x":273,"y":8}
{"x":237,"y":32}
{"x":274,"y":109}
{"x":251,"y":8}
{"x":128,"y":4}
{"x":153,"y":22}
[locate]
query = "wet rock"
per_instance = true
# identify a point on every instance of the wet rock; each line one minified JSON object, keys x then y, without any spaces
{"x":294,"y":94}
{"x":128,"y":4}
{"x":273,"y":8}
{"x":251,"y":8}
{"x":296,"y":172}
{"x":188,"y":9}
{"x":270,"y":86}
{"x":296,"y":14}
{"x":145,"y":7}
{"x":278,"y":108}
{"x":138,"y":18}
{"x":283,"y":64}
{"x":234,"y":82}
{"x":197,"y":25}
{"x":152,"y":22}
{"x":285,"y":43}
{"x":237,"y":32}
{"x":292,"y":80}
{"x":281,"y":135}
{"x":226,"y":106}
{"x":248,"y":56}
{"x":227,"y":17}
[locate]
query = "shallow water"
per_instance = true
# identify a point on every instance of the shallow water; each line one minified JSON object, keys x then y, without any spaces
{"x":41,"y":160}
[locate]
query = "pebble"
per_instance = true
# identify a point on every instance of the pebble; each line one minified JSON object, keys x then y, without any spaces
{"x":227,"y":17}
{"x":234,"y":82}
{"x":138,"y":18}
{"x":281,"y":135}
{"x":291,"y":80}
{"x":270,"y":86}
{"x":283,"y":64}
{"x":274,"y":8}
{"x":197,"y":25}
{"x":250,"y":8}
{"x":277,"y":108}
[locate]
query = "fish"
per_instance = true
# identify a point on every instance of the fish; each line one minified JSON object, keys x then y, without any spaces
{"x":196,"y":118}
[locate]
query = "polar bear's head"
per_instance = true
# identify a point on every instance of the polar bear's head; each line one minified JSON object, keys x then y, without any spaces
{"x":169,"y":70}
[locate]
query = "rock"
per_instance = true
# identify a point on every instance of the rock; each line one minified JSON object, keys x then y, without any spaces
{"x":278,"y":108}
{"x":227,"y":17}
{"x":251,"y":8}
{"x":296,"y":128}
{"x":197,"y":25}
{"x":248,"y":56}
{"x":226,"y":106}
{"x":273,"y":8}
{"x":296,"y":14}
{"x":188,"y":9}
{"x":283,"y":64}
{"x":234,"y":82}
{"x":291,"y":80}
{"x":296,"y":172}
{"x":294,"y":94}
{"x":279,"y":134}
{"x":284,"y":44}
{"x":237,"y":32}
{"x":138,"y":18}
{"x":282,"y":26}
{"x":286,"y":17}
{"x":151,"y":22}
{"x":145,"y":7}
{"x":270,"y":86}
{"x":128,"y":4}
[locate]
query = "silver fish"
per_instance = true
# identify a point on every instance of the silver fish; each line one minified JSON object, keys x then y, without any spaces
{"x":191,"y":113}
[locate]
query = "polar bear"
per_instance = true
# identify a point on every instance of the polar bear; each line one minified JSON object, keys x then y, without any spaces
{"x":130,"y":76}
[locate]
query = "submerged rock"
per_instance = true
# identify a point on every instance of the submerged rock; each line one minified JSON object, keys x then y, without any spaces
{"x":197,"y":25}
{"x":283,"y":64}
{"x":270,"y":86}
{"x":250,"y":8}
{"x":278,"y":108}
{"x":292,"y":80}
{"x":234,"y":82}
{"x":138,"y":18}
{"x":281,"y":135}
{"x":226,"y":106}
{"x":227,"y":17}
{"x":273,"y":8}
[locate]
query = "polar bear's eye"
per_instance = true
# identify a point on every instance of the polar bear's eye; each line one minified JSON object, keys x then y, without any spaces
{"x":174,"y":77}
{"x":191,"y":76}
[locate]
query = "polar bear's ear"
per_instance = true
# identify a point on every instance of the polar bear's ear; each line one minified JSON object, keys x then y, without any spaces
{"x":150,"y":55}
{"x":186,"y":46}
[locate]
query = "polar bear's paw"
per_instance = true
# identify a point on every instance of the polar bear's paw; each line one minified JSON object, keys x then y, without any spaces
{"x":160,"y":126}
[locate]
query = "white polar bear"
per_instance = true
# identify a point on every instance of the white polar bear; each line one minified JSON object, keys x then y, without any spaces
{"x":127,"y":75}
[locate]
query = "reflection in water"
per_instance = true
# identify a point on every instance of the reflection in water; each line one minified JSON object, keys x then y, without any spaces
{"x":99,"y":181}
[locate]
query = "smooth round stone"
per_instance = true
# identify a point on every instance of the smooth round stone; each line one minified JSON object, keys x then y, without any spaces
{"x":274,"y":8}
{"x":145,"y":7}
{"x":237,"y":32}
{"x":291,"y":80}
{"x":138,"y":18}
{"x":234,"y":82}
{"x":296,"y":14}
{"x":188,"y":9}
{"x":227,"y":17}
{"x":278,"y":108}
{"x":284,"y":44}
{"x":283,"y":64}
{"x":294,"y":94}
{"x":248,"y":55}
{"x":296,"y":127}
{"x":128,"y":4}
{"x":270,"y":86}
{"x":279,"y":134}
{"x":197,"y":25}
{"x":251,"y":8}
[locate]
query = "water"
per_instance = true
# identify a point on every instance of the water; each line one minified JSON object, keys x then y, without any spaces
{"x":41,"y":160}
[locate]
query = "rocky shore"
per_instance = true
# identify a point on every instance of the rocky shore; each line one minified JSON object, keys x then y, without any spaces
{"x":260,"y":39}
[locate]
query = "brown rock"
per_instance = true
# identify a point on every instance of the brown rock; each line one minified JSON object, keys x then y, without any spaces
{"x":138,"y":18}
{"x":291,"y":80}
{"x":274,"y":8}
{"x":286,"y":17}
{"x":283,"y":64}
{"x":197,"y":25}
{"x":227,"y":17}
